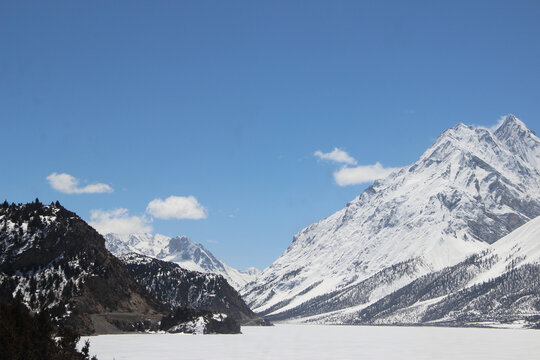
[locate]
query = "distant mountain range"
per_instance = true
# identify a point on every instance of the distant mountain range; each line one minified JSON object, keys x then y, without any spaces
{"x":180,"y":250}
{"x":422,"y":245}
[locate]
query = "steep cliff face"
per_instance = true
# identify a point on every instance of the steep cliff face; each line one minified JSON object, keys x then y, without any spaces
{"x":469,"y":189}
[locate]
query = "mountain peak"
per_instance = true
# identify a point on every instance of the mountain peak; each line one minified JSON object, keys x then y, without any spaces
{"x":181,"y":243}
{"x":461,"y":126}
{"x":181,"y":250}
{"x":470,"y":188}
{"x":458,"y":132}
{"x":511,"y":125}
{"x":520,"y":140}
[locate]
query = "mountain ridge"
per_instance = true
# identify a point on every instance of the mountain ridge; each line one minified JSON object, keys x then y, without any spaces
{"x":180,"y":250}
{"x":467,"y":190}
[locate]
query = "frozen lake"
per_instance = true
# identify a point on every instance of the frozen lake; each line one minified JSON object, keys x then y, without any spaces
{"x":325,"y":342}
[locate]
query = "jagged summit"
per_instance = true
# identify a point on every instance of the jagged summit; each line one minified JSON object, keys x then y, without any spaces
{"x":180,"y":250}
{"x":470,"y":188}
{"x":513,"y":129}
{"x":143,"y":243}
{"x":511,"y":125}
{"x":520,"y":140}
{"x":180,"y":243}
{"x":510,"y":129}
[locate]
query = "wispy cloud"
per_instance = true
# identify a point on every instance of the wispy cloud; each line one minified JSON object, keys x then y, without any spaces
{"x":361,"y":174}
{"x":69,"y":184}
{"x":118,"y":221}
{"x":176,"y":207}
{"x":493,"y":127}
{"x":336,"y":155}
{"x":499,"y":123}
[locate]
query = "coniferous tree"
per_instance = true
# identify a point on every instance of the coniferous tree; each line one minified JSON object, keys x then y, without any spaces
{"x":23,"y":336}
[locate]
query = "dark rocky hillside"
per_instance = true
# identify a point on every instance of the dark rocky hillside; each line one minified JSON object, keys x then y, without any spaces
{"x":52,"y":260}
{"x":190,"y":321}
{"x":179,"y":288}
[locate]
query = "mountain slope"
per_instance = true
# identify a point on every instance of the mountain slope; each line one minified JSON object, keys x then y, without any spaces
{"x":50,"y":259}
{"x":179,"y":288}
{"x":470,"y":188}
{"x":500,"y":285}
{"x":53,"y":260}
{"x":180,"y":250}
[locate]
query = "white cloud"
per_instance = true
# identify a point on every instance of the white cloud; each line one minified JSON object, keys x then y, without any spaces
{"x":68,"y":184}
{"x":118,"y":221}
{"x":336,"y":155}
{"x":176,"y":207}
{"x":361,"y":174}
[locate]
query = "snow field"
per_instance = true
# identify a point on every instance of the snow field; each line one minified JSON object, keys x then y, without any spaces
{"x":297,"y":342}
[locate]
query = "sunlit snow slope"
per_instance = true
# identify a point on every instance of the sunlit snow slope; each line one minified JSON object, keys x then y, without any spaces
{"x":499,"y":286}
{"x":469,"y":189}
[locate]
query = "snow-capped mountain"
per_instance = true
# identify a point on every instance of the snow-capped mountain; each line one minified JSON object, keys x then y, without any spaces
{"x":142,"y":243}
{"x":180,"y":250}
{"x":469,"y":189}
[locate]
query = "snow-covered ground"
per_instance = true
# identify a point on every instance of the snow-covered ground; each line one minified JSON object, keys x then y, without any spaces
{"x":325,"y":342}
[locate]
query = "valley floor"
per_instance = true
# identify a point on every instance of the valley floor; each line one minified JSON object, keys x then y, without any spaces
{"x":286,"y":341}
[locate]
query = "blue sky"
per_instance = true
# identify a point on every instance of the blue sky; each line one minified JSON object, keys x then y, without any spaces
{"x":222,"y":105}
